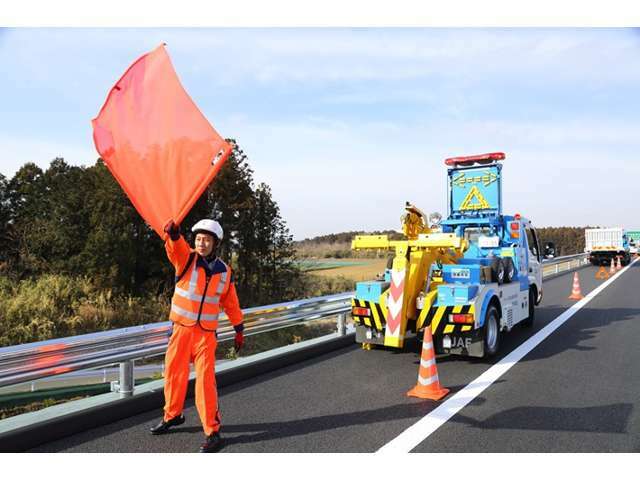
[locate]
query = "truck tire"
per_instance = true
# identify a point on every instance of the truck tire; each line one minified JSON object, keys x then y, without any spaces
{"x":509,"y":269}
{"x":528,"y":322}
{"x":497,"y":271}
{"x":491,"y":332}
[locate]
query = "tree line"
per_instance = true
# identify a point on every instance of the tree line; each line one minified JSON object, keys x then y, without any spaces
{"x":568,"y":241}
{"x":343,"y":237}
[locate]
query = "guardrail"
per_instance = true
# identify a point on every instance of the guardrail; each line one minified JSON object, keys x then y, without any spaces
{"x":33,"y":361}
{"x":555,"y":266}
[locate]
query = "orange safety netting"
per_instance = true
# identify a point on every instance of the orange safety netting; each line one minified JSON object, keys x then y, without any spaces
{"x":157,"y":144}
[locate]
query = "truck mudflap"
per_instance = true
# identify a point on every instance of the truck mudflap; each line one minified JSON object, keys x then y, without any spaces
{"x":370,"y":335}
{"x":470,"y":343}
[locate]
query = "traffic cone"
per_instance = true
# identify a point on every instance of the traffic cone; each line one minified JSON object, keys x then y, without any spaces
{"x":612,"y":270}
{"x":576,"y":293}
{"x":428,"y":385}
{"x":602,"y":274}
{"x":619,"y":266}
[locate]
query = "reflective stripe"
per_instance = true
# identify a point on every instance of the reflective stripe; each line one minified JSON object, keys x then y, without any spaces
{"x":193,"y":284}
{"x":223,"y":281}
{"x":207,"y":317}
{"x":193,"y":280}
{"x":210,"y":302}
{"x":427,"y":345}
{"x":428,"y":380}
{"x":427,"y":363}
{"x":195,"y":297}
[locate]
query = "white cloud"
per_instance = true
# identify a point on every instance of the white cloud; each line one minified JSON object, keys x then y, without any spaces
{"x":330,"y":176}
{"x":328,"y":179}
{"x":16,"y":151}
{"x":233,"y":56}
{"x":355,"y":170}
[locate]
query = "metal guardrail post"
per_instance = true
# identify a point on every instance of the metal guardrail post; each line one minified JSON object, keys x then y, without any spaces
{"x":342,"y":324}
{"x":126,"y":379}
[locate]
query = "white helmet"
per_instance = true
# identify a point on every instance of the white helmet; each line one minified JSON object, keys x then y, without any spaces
{"x":209,"y":226}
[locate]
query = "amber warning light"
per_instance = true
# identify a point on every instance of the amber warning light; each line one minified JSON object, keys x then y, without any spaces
{"x":482,"y":159}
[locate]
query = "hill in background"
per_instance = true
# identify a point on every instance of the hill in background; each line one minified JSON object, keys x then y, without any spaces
{"x":338,"y":245}
{"x":568,"y":241}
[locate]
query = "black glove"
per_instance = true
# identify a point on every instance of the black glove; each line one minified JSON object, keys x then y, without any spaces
{"x":173,"y":231}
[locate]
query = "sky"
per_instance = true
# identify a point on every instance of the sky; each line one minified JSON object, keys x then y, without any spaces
{"x":346,"y":125}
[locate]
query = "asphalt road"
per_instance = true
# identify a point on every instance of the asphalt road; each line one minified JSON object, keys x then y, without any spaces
{"x":578,"y":391}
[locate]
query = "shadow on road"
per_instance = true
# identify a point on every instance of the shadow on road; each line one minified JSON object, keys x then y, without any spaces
{"x":601,"y":419}
{"x":253,"y":433}
{"x":261,"y":432}
{"x":575,"y":334}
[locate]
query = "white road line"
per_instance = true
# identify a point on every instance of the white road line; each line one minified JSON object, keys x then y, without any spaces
{"x":419,"y":431}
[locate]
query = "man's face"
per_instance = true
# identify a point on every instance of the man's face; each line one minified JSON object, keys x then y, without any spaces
{"x":204,"y":244}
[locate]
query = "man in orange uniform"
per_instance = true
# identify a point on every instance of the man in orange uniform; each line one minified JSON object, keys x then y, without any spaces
{"x":204,"y":286}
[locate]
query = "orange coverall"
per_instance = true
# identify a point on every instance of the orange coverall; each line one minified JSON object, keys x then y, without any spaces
{"x":199,"y":296}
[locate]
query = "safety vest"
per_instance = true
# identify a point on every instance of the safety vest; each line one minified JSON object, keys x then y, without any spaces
{"x":196,"y":299}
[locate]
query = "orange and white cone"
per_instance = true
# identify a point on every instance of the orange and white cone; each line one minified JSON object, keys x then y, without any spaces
{"x":619,"y":266}
{"x":612,"y":270}
{"x":428,"y":385}
{"x":602,"y":273}
{"x":576,"y":293}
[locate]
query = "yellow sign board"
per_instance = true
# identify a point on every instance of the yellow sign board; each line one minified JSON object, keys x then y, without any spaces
{"x":479,"y":204}
{"x":486,"y":179}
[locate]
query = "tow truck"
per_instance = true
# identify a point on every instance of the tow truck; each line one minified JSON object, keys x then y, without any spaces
{"x":469,"y":278}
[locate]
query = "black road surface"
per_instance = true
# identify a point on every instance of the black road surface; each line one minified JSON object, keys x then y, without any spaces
{"x":578,"y":391}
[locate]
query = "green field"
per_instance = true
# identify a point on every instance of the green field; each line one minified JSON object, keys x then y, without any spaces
{"x":351,"y":269}
{"x":314,"y":265}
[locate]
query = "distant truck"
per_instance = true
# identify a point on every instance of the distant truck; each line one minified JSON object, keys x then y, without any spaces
{"x":606,"y":244}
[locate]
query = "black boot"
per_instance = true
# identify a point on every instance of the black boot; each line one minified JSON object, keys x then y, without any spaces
{"x":163,"y":427}
{"x":212,"y":443}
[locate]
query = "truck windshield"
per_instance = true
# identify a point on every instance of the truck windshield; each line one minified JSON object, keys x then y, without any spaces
{"x":532,"y":241}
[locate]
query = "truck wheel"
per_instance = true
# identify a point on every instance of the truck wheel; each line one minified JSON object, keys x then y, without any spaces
{"x":509,"y":269}
{"x":491,"y":332}
{"x":497,"y":271}
{"x":528,"y":322}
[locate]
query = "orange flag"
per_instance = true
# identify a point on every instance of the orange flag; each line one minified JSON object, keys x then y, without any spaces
{"x":157,"y":144}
